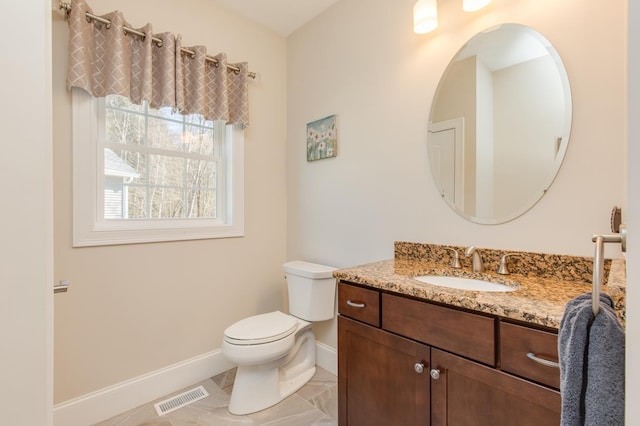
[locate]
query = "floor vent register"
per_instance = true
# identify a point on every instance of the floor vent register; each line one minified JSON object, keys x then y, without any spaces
{"x":179,"y":401}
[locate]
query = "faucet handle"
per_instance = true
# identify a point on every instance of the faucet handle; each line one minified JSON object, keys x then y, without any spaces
{"x":455,"y":258}
{"x":502,"y":268}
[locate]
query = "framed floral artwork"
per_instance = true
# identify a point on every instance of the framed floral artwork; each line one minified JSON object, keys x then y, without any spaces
{"x":322,"y":141}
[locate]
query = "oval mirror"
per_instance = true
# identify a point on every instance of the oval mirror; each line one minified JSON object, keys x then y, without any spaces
{"x":499,"y":124}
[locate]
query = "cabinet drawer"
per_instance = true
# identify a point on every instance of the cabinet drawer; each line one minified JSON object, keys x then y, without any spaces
{"x":469,"y":335}
{"x":359,"y":303}
{"x":517,"y":341}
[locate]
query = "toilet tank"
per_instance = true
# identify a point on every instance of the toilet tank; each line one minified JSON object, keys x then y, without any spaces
{"x":312,"y":290}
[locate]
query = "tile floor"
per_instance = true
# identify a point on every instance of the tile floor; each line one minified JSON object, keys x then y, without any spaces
{"x":316,"y":403}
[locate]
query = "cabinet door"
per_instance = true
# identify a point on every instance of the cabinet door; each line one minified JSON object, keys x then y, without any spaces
{"x":377,"y":380}
{"x":468,"y":393}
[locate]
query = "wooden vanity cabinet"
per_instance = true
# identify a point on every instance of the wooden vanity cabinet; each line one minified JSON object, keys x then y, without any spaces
{"x":399,"y":363}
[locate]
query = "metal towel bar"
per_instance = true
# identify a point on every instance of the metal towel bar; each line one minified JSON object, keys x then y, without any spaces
{"x":598,"y":262}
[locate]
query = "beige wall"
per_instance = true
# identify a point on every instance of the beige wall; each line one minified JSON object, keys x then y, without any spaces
{"x":133,"y":309}
{"x":361,"y":61}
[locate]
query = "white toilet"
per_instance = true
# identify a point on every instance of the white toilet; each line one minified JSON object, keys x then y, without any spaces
{"x":276,"y":352}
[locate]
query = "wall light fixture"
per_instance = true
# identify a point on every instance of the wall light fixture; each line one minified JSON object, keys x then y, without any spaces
{"x":425,"y":13}
{"x":425,"y":16}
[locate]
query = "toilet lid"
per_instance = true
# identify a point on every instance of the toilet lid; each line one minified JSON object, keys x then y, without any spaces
{"x":263,"y":328}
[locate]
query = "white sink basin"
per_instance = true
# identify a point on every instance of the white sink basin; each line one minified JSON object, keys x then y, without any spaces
{"x":461,"y":283}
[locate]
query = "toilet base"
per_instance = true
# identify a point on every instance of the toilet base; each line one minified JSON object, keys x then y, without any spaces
{"x":257,"y":387}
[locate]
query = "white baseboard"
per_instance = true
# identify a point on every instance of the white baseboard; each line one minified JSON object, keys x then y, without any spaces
{"x":113,"y":400}
{"x":110,"y":401}
{"x":327,"y":358}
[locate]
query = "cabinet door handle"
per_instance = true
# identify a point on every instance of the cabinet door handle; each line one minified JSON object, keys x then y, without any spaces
{"x":419,"y":367}
{"x":545,"y":362}
{"x":355,"y":305}
{"x":435,"y":374}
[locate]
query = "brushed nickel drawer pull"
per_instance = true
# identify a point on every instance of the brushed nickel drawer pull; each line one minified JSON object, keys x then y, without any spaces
{"x":355,"y":305}
{"x":545,"y":362}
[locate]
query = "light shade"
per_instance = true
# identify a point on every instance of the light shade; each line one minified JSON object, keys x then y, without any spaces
{"x":473,"y":5}
{"x":425,"y":16}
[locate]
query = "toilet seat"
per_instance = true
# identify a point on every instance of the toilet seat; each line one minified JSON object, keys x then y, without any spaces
{"x":260,"y":329}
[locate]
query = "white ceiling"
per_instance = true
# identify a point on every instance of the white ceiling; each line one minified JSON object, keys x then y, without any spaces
{"x":282,"y":16}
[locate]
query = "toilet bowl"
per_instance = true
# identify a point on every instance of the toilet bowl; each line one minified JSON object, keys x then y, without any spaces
{"x":276,"y":352}
{"x":273,"y":362}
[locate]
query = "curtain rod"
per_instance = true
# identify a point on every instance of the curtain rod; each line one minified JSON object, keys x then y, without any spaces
{"x":90,"y":16}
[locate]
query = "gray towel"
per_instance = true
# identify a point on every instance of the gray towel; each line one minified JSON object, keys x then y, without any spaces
{"x":591,"y":352}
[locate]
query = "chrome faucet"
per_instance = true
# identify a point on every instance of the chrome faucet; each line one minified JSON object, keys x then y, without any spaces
{"x":476,"y":260}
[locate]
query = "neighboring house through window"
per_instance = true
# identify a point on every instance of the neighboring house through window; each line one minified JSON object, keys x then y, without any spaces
{"x":116,"y":194}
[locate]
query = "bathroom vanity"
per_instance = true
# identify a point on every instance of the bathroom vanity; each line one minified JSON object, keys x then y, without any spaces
{"x":412,"y":353}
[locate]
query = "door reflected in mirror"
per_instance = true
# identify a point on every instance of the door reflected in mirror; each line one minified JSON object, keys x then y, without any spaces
{"x":499,"y":124}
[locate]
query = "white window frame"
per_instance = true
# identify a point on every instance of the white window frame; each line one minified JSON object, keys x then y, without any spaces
{"x":89,"y":226}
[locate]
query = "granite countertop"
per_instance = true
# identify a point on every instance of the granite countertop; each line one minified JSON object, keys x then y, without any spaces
{"x":540,"y":299}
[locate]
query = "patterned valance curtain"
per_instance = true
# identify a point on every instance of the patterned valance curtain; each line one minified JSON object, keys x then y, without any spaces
{"x":105,"y":60}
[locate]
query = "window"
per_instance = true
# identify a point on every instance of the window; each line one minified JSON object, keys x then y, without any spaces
{"x":143,"y":174}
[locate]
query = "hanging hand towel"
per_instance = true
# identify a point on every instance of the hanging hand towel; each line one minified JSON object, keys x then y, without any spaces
{"x":591,"y":354}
